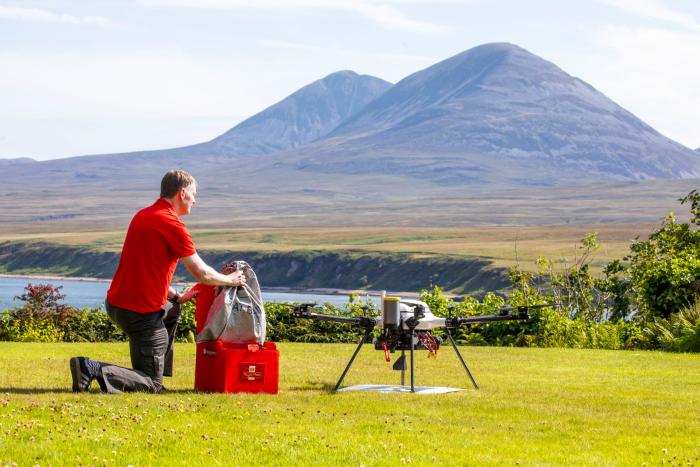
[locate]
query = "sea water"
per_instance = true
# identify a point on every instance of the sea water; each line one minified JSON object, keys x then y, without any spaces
{"x":80,"y":293}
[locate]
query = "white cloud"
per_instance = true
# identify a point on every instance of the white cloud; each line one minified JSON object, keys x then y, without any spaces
{"x":384,"y":13}
{"x":653,"y":73}
{"x":656,"y":10}
{"x":38,"y":14}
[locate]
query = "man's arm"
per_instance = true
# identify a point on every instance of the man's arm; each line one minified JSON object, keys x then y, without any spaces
{"x":186,"y":295}
{"x":208,"y":275}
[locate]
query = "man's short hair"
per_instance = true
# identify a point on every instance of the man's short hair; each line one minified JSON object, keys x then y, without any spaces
{"x":173,"y":181}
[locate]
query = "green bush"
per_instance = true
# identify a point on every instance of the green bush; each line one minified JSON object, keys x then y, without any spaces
{"x":680,"y":332}
{"x":548,"y":326}
{"x":28,"y":328}
{"x":92,"y":325}
{"x":665,"y":269}
{"x":283,"y":327}
{"x":42,"y":318}
{"x":187,"y":326}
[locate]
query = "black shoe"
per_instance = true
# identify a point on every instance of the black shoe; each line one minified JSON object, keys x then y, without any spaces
{"x":81,"y":376}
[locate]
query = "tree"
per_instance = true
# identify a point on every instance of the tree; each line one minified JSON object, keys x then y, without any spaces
{"x":665,"y":269}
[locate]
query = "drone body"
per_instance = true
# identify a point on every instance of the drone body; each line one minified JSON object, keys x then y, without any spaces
{"x":407,"y":310}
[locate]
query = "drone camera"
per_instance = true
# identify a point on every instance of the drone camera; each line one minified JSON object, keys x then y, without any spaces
{"x":419,"y":312}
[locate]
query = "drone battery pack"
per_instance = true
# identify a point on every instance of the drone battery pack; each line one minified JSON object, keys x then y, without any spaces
{"x":232,"y":368}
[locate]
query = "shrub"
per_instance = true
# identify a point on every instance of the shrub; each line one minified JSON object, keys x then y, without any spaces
{"x":282,"y":326}
{"x":680,"y":332}
{"x":92,"y":325}
{"x":42,"y":318}
{"x":187,"y":326}
{"x":547,"y":326}
{"x":42,"y":302}
{"x":665,"y":269}
{"x":28,"y":328}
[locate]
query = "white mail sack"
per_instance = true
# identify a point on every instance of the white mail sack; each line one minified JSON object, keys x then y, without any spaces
{"x":237,"y":314}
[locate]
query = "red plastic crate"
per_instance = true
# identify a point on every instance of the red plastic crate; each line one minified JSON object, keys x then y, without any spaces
{"x":225,"y":367}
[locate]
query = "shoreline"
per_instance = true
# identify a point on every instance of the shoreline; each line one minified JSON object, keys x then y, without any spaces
{"x":336,"y":291}
{"x":50,"y":277}
{"x":314,"y":290}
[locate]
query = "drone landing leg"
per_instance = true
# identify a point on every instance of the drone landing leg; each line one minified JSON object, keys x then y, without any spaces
{"x":352,"y":359}
{"x":412,"y":386}
{"x":454,"y":346}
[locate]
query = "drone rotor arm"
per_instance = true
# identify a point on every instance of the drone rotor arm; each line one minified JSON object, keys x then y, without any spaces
{"x":304,"y":311}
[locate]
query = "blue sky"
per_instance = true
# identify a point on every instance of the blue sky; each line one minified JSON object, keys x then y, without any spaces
{"x":86,"y":77}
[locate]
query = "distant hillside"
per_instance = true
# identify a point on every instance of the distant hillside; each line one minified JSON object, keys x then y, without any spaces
{"x":497,"y":114}
{"x":16,"y":161}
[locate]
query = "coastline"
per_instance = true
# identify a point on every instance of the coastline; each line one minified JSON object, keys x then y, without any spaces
{"x":315,"y":290}
{"x":335,"y":291}
{"x":52,"y":278}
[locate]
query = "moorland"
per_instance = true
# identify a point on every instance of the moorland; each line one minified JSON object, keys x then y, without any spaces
{"x":499,"y":229}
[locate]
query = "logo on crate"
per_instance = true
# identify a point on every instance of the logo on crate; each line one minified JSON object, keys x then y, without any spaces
{"x":252,"y":371}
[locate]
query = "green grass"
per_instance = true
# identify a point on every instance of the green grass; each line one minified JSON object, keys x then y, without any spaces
{"x":535,"y":406}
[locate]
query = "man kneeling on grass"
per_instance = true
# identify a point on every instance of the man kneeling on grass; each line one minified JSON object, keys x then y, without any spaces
{"x":154,"y":243}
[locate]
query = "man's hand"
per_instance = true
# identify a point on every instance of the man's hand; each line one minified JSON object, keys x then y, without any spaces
{"x":207,"y":275}
{"x":237,"y":278}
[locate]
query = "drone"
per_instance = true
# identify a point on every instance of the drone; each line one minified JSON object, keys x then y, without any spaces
{"x":407,"y":325}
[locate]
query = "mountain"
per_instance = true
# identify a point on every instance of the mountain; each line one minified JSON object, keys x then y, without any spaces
{"x":309,"y":113}
{"x":497,"y":114}
{"x":491,"y":119}
{"x":16,"y":161}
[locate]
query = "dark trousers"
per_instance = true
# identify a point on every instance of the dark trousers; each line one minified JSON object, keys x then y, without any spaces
{"x":151,"y":337}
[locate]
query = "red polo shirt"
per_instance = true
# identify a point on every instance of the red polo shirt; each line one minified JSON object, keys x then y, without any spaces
{"x":156,"y":239}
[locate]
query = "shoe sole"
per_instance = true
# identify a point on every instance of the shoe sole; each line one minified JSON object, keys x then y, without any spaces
{"x":76,"y":374}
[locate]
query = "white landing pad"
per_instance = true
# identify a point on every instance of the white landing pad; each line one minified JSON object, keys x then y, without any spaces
{"x":383,"y":388}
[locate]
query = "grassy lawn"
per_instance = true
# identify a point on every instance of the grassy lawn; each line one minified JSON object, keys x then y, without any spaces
{"x":535,"y":406}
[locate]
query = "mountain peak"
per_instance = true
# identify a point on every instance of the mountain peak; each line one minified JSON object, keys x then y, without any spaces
{"x":495,"y":67}
{"x":340,"y":74}
{"x":498,"y":105}
{"x":496,"y":50}
{"x":304,"y":116}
